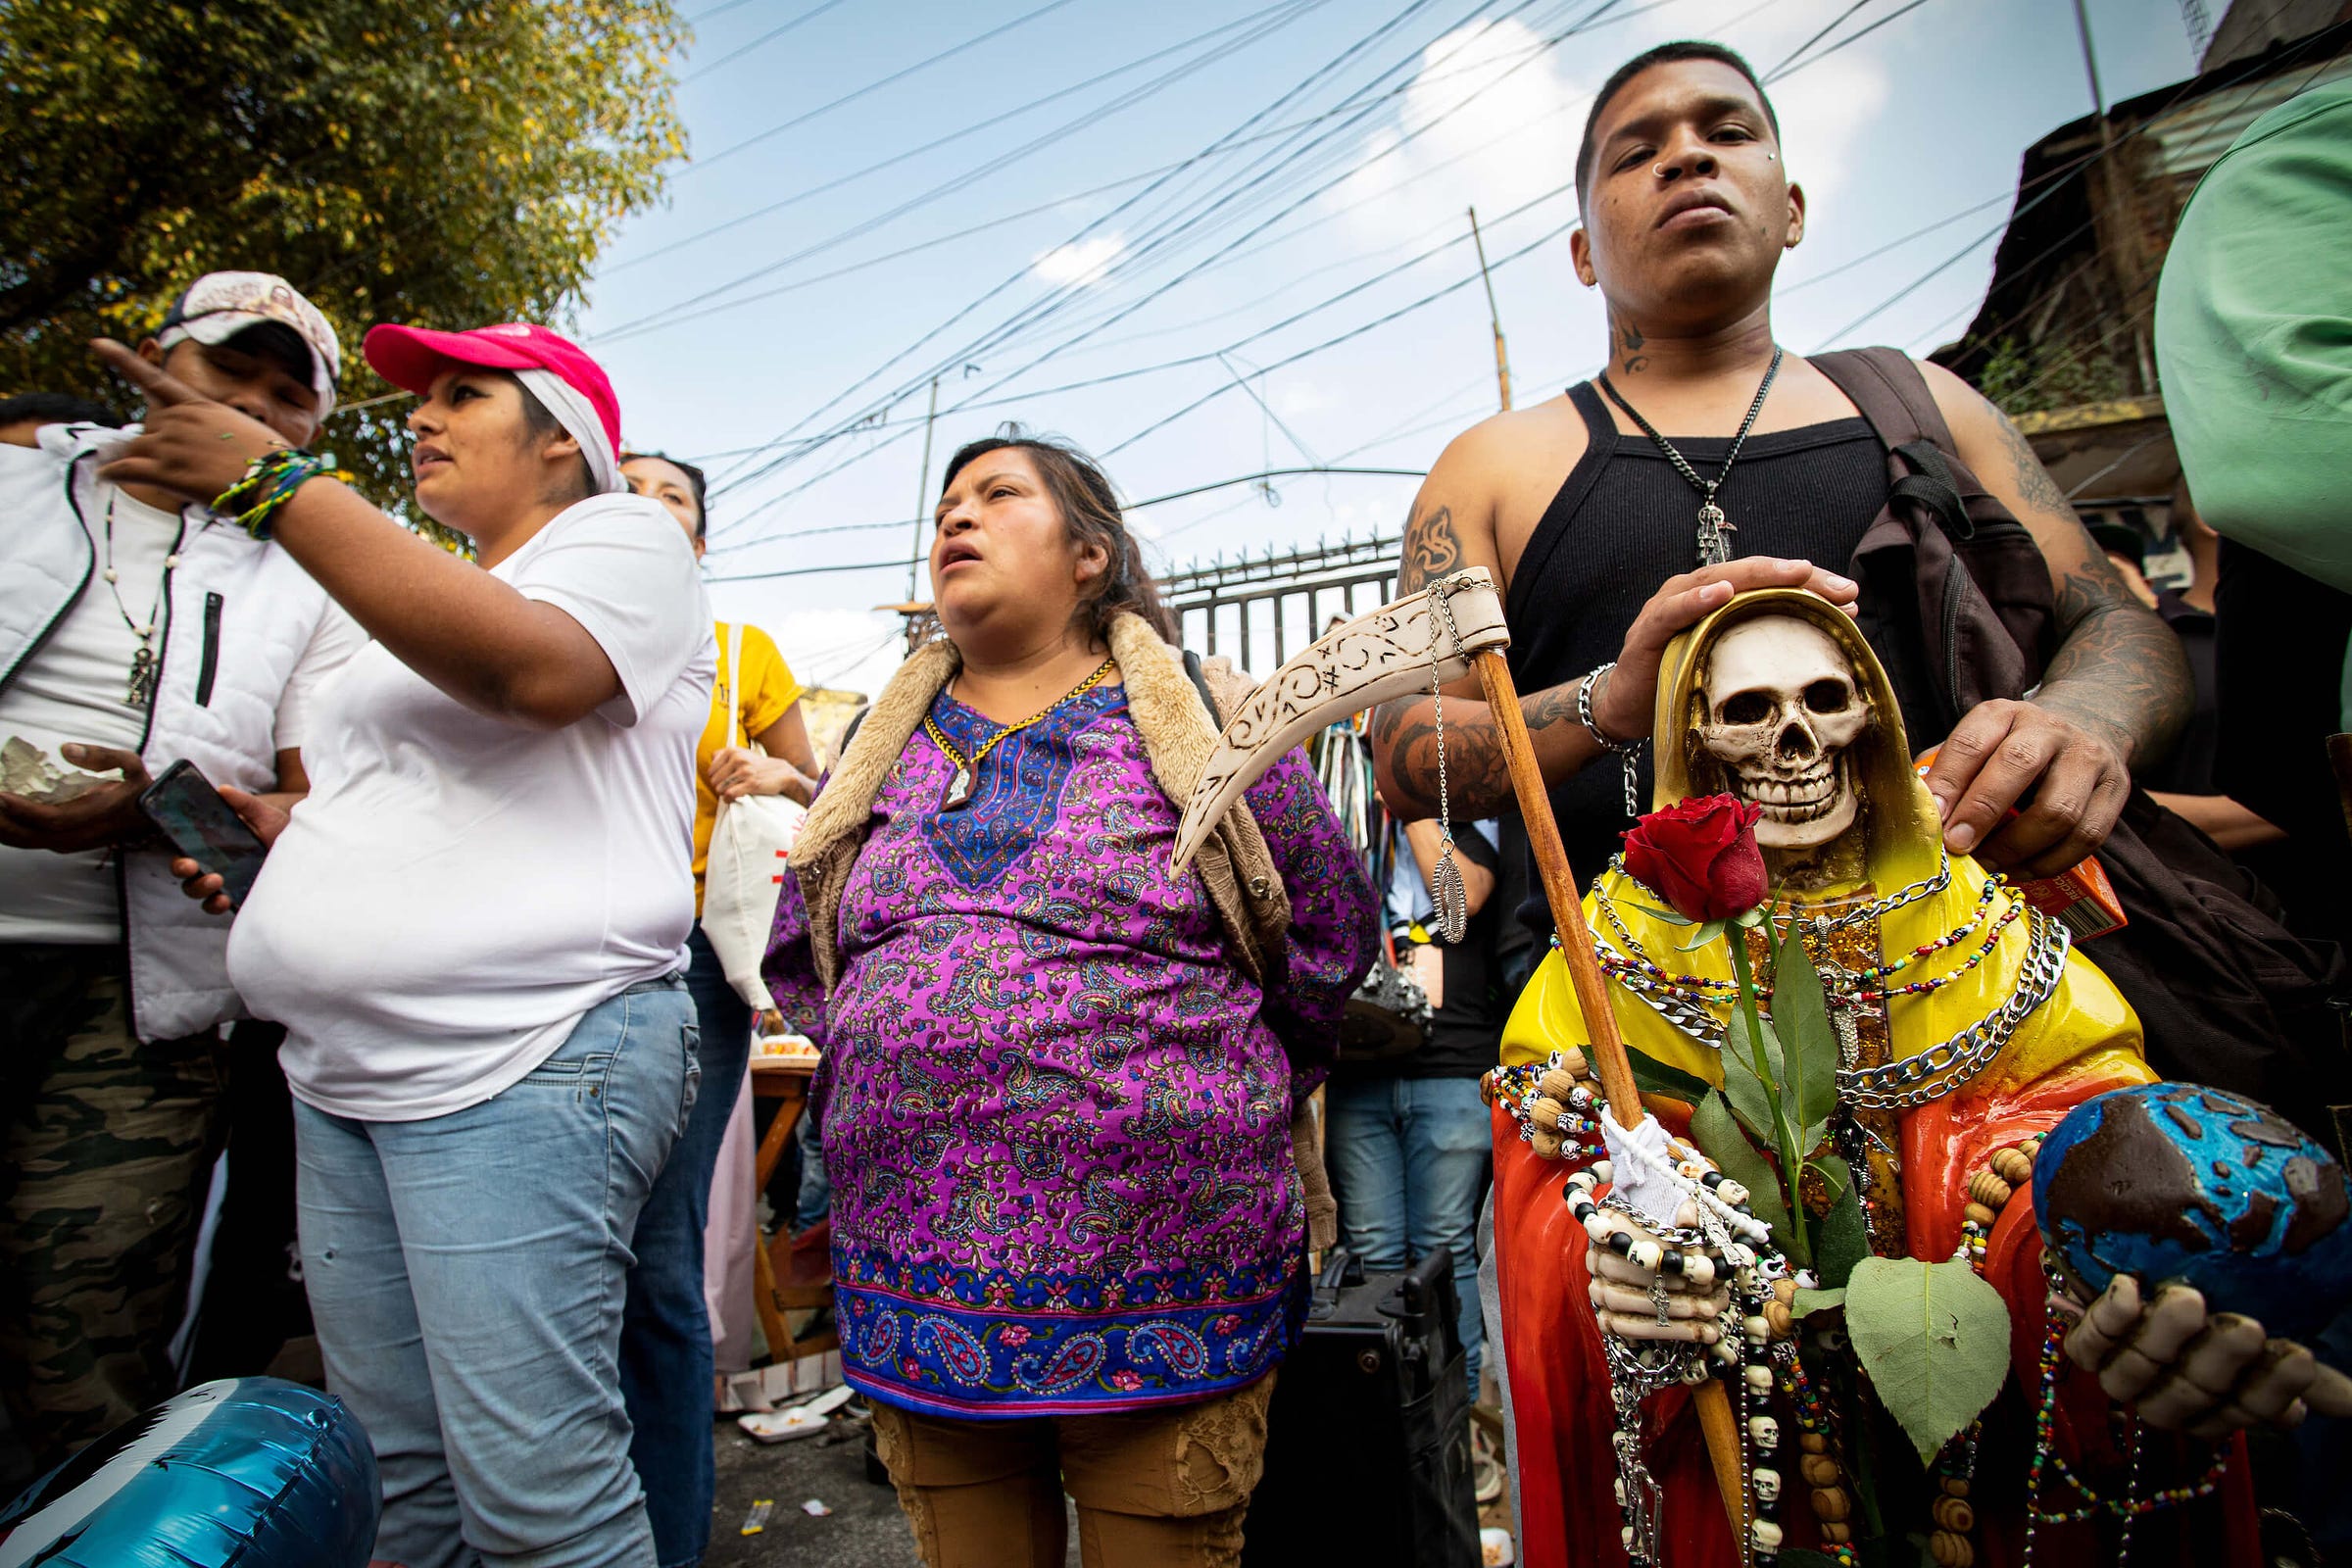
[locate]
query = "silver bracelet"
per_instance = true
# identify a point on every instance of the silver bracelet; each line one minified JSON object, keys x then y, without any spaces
{"x":1626,"y":751}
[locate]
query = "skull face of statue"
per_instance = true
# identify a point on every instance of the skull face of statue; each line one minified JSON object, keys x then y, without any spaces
{"x":1782,"y":714}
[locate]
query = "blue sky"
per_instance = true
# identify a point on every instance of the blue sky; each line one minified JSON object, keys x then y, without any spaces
{"x":1009,"y":246}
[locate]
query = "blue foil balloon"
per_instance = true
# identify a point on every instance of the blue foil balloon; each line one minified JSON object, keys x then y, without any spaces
{"x":2171,"y":1181}
{"x":254,"y":1472}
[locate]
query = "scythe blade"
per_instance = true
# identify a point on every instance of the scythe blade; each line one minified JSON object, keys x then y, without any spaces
{"x":1365,"y":662}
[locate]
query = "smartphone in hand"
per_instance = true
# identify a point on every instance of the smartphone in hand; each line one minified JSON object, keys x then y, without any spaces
{"x":201,"y":825}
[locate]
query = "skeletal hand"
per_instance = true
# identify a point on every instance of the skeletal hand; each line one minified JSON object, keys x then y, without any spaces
{"x":2180,"y":1368}
{"x":1628,"y":1290}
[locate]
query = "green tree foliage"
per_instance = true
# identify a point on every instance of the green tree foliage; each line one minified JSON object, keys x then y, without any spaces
{"x":449,"y":165}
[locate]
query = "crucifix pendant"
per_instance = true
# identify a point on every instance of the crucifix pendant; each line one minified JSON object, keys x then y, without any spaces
{"x":1714,"y":530}
{"x":960,"y":790}
{"x":141,"y":690}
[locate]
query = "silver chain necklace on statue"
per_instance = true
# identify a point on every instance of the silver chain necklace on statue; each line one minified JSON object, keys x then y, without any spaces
{"x":1714,"y":547}
{"x":139,"y":691}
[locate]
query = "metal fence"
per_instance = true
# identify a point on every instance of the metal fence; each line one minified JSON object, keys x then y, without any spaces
{"x":1259,"y":609}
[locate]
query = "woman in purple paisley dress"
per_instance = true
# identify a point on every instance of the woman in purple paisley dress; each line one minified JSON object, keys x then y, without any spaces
{"x":1068,"y":1223}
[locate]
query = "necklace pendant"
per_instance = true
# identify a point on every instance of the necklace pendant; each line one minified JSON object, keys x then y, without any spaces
{"x":140,"y":693}
{"x":960,"y":790}
{"x":1451,"y":899}
{"x":1714,"y":530}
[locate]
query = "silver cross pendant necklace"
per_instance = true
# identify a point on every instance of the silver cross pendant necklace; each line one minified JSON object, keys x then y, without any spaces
{"x":140,"y":690}
{"x":1714,"y":528}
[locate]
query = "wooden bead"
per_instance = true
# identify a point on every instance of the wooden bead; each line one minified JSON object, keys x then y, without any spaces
{"x":1987,"y":1189}
{"x":1818,"y":1469}
{"x":1784,"y":1291}
{"x":1556,"y":1085}
{"x":1545,"y":1113}
{"x":1835,"y":1534}
{"x":1955,"y":1486}
{"x":2012,"y":1166}
{"x":1950,"y":1551}
{"x":1778,"y":1320}
{"x":1814,"y":1442}
{"x":1980,"y":1213}
{"x":1546,"y":1142}
{"x":1831,"y":1505}
{"x":1954,"y":1514}
{"x":2031,"y":1148}
{"x":1573,"y":1059}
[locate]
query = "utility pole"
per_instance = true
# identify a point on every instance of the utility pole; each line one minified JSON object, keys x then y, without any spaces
{"x":922,"y":493}
{"x":1503,"y":361}
{"x":2119,"y":237}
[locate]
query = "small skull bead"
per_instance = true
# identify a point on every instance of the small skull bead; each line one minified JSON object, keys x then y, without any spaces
{"x":1764,"y":1432}
{"x":1768,"y":1484}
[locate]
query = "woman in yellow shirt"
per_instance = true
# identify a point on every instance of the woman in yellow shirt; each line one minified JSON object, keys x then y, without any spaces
{"x":665,"y":1357}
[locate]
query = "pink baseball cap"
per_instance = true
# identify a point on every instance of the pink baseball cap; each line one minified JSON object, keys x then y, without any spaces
{"x":556,"y":370}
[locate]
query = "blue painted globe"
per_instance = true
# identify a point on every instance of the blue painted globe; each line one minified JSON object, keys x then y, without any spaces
{"x":2176,"y":1181}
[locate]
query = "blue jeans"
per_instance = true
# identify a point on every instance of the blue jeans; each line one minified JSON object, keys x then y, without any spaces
{"x":466,"y":1273}
{"x":1409,"y":1158}
{"x":666,"y":1364}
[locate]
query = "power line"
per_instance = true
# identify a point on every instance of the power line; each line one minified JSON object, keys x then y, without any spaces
{"x":934,"y":145}
{"x":1855,"y":36}
{"x":1132,"y":505}
{"x":774,"y":33}
{"x":682,"y":310}
{"x":1221,"y":144}
{"x":1834,"y":24}
{"x":1590,"y":18}
{"x":1212,"y":356}
{"x":875,"y":85}
{"x":1036,"y":311}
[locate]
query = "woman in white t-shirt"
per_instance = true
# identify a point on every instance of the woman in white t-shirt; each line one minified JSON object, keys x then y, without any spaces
{"x":474,"y":928}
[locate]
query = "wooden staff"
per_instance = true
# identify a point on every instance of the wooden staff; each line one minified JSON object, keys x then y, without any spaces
{"x":1606,"y":1050}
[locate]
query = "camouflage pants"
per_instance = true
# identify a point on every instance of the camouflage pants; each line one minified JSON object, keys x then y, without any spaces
{"x":105,"y":1150}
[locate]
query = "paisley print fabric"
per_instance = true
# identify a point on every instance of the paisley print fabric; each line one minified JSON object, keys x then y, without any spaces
{"x":1056,"y":1123}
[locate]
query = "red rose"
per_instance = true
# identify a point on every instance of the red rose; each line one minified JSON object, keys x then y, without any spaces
{"x":1701,"y":857}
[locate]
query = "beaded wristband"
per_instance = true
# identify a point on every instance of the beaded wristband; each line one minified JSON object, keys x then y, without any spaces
{"x":270,"y":482}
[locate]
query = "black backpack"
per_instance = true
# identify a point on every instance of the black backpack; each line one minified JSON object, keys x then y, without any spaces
{"x":1957,"y":598}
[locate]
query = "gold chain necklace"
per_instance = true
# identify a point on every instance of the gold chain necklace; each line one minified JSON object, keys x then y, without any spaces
{"x":959,"y":787}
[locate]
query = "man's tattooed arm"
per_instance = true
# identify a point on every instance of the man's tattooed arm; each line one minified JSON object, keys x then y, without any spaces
{"x":1404,"y":732}
{"x":2118,"y":670}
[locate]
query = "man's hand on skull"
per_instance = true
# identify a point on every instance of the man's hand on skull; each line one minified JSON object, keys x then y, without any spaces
{"x":1628,"y":1296}
{"x":1625,"y":705}
{"x":2181,"y":1370}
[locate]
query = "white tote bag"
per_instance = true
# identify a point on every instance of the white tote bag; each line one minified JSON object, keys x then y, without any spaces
{"x":749,"y":841}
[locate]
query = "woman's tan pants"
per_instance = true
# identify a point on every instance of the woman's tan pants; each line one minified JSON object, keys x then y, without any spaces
{"x":1155,"y":1489}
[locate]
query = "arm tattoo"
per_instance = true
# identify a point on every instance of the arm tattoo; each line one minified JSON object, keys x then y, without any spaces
{"x":2118,"y":668}
{"x":1477,"y":778}
{"x":1432,"y":548}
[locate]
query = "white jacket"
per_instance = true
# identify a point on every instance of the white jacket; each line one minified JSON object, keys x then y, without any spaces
{"x":239,"y":617}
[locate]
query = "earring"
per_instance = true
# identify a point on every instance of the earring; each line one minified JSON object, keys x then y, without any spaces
{"x":1658,"y":169}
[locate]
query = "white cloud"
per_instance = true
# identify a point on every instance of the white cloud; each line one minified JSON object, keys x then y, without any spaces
{"x":1081,"y":262}
{"x":1492,"y":123}
{"x":1823,"y":115}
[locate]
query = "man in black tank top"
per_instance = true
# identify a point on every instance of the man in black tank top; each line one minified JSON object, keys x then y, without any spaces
{"x":1594,"y":528}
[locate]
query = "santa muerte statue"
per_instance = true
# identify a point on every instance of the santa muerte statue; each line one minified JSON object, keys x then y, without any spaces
{"x":1772,"y":1131}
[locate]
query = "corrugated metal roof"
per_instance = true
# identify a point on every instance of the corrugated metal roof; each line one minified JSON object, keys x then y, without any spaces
{"x":2192,"y":136}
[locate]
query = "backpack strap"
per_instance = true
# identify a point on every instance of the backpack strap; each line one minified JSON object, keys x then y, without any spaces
{"x":1884,"y":385}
